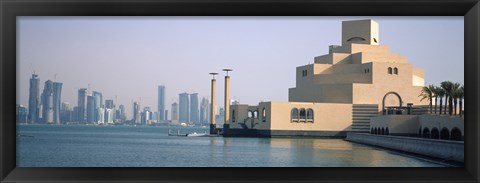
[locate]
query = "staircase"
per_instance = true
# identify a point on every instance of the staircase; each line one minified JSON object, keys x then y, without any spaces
{"x":361,"y":114}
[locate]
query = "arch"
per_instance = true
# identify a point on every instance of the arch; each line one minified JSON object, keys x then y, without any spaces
{"x":395,"y":71}
{"x":294,"y":115}
{"x":375,"y":131}
{"x":255,"y":114}
{"x":456,"y":134}
{"x":389,"y":70}
{"x":264,"y":115}
{"x":303,"y":116}
{"x":356,"y":39}
{"x":445,"y":134}
{"x":233,"y":116}
{"x":382,"y":131}
{"x":386,"y":131}
{"x":310,"y":115}
{"x":371,"y":131}
{"x":434,"y":133}
{"x":250,"y":114}
{"x":420,"y":131}
{"x":426,"y":133}
{"x":385,"y":97}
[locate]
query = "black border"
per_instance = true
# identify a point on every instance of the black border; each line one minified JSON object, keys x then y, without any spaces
{"x":9,"y":9}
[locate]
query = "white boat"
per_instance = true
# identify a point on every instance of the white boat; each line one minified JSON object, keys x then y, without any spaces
{"x":195,"y":134}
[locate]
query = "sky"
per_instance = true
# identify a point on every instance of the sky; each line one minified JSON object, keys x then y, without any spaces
{"x":128,"y":57}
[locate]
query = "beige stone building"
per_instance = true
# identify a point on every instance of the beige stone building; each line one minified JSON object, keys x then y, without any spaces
{"x":339,"y":92}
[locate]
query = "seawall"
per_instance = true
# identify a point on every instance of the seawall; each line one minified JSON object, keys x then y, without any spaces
{"x":444,"y":149}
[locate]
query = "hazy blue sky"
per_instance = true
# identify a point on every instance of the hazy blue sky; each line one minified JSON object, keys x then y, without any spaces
{"x":129,"y":57}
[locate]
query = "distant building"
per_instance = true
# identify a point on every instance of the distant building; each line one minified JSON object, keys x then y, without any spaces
{"x":57,"y":95}
{"x":161,"y":103}
{"x":109,"y":115}
{"x":136,"y":113}
{"x":204,"y":111}
{"x":123,"y":115}
{"x":91,"y":111}
{"x":47,"y":102}
{"x":184,"y":108}
{"x":194,"y":113}
{"x":174,"y":112}
{"x":82,"y":105}
{"x":22,"y":114}
{"x":34,"y":99}
{"x":98,"y":103}
{"x":66,"y":113}
{"x":146,"y":115}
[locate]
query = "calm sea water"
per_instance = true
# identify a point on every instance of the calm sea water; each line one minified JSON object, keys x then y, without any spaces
{"x":128,"y":146}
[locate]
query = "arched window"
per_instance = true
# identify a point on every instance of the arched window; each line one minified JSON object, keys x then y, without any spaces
{"x":426,"y":133}
{"x":445,"y":134}
{"x":255,"y":114}
{"x":233,"y":116}
{"x":456,"y":134}
{"x":294,"y":115}
{"x":303,"y":116}
{"x":382,"y":132}
{"x":250,"y":114}
{"x":264,"y":115}
{"x":372,"y":131}
{"x":389,"y":70}
{"x":434,"y":134}
{"x":310,"y":115}
{"x":395,"y":71}
{"x":375,"y":131}
{"x":387,"y":132}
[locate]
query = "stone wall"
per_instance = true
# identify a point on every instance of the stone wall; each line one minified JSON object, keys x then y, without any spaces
{"x":447,"y":150}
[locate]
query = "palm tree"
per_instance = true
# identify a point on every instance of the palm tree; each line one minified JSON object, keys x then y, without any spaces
{"x":455,"y":92}
{"x":435,"y":91}
{"x":447,"y":86}
{"x":460,"y":97}
{"x":440,"y":93}
{"x":427,"y":94}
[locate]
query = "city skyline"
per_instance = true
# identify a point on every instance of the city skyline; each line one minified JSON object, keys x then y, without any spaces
{"x":194,"y":46}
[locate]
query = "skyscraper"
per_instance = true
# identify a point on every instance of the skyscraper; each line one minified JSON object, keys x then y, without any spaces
{"x":136,"y":113}
{"x":57,"y":95}
{"x":91,"y":109}
{"x":47,"y":102}
{"x":194,"y":113}
{"x":98,"y":104}
{"x":184,"y":108}
{"x":174,"y":112}
{"x":161,"y":102}
{"x":82,"y":105}
{"x":204,"y":111}
{"x":34,"y":99}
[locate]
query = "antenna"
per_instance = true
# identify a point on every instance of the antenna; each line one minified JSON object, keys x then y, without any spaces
{"x":55,"y":77}
{"x":31,"y":66}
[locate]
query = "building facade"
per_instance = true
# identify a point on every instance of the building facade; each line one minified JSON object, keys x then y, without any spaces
{"x":47,"y":102}
{"x":82,"y":105}
{"x":194,"y":110}
{"x":57,"y":101}
{"x":184,"y":108}
{"x":174,"y":110}
{"x":34,"y":99}
{"x":161,"y":103}
{"x":339,"y":92}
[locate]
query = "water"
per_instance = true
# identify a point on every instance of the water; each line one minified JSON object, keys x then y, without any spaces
{"x":128,"y":146}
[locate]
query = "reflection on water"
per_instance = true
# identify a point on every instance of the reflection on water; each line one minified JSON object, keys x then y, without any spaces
{"x":119,"y":146}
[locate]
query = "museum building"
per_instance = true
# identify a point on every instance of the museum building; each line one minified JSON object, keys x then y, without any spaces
{"x":339,"y":93}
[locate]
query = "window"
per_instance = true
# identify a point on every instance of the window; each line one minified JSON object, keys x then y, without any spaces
{"x":375,"y":40}
{"x":255,"y":114}
{"x":264,"y":115}
{"x":233,"y":116}
{"x":395,"y":71}
{"x":356,"y":39}
{"x":250,"y":114}
{"x":303,"y":117}
{"x":294,"y":115}
{"x":389,"y":70}
{"x":310,"y":115}
{"x":304,"y":73}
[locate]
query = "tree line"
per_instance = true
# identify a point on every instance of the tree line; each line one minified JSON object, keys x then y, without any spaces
{"x":452,"y":92}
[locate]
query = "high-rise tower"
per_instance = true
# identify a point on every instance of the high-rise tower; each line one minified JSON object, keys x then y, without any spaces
{"x":161,"y":103}
{"x":194,"y":113}
{"x":34,"y":99}
{"x":57,"y":95}
{"x":184,"y":109}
